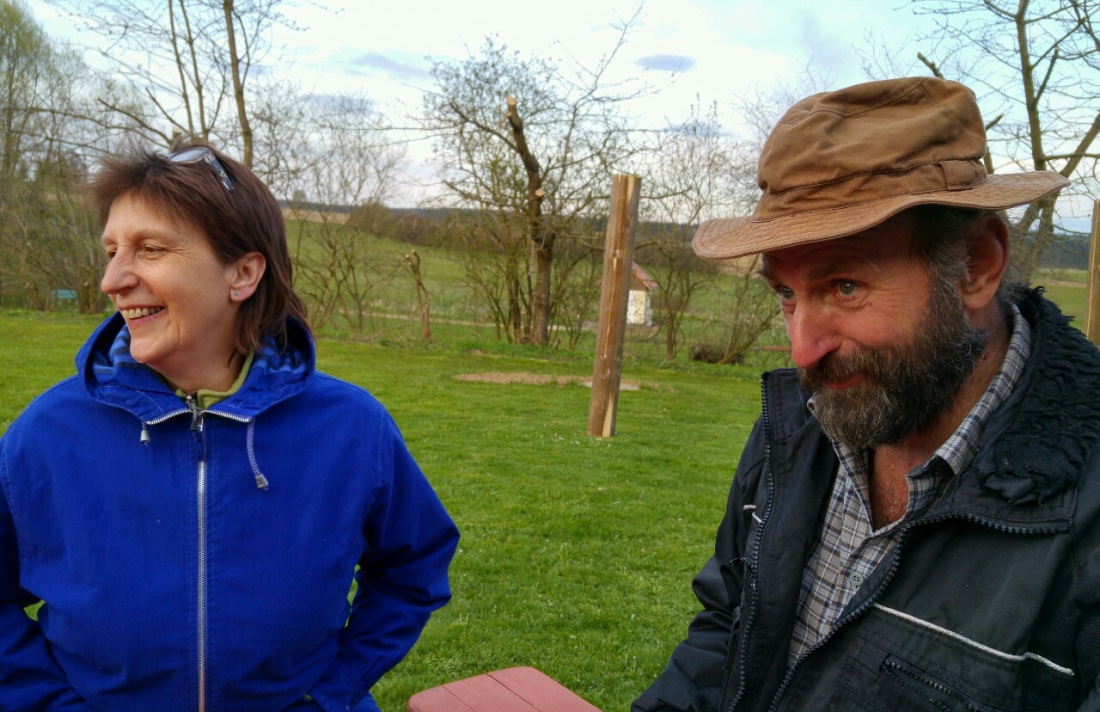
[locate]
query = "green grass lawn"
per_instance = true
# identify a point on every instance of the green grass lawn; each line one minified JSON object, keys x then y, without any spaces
{"x":577,"y":553}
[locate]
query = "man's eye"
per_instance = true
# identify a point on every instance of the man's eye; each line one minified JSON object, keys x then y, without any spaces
{"x":785,"y":293}
{"x":846,"y":288}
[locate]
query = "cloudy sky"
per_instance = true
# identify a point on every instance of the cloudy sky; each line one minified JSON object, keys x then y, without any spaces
{"x":716,"y":50}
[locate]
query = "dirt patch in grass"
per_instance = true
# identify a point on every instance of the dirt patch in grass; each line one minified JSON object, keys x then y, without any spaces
{"x":542,"y":379}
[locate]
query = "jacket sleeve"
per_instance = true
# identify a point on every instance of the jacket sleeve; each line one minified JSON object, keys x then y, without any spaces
{"x":693,"y":678}
{"x":29,"y":676}
{"x":402,"y":578}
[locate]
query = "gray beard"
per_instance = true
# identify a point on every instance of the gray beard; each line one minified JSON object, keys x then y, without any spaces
{"x":906,"y":387}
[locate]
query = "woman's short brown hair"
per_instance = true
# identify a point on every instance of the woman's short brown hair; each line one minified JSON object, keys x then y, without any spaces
{"x":236,"y":219}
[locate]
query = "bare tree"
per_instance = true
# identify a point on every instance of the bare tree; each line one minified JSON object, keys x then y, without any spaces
{"x":698,"y":171}
{"x":186,"y":57}
{"x":749,"y":312}
{"x":329,"y":153}
{"x":530,"y":146}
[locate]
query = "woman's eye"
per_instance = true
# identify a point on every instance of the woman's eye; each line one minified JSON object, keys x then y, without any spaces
{"x":785,"y":293}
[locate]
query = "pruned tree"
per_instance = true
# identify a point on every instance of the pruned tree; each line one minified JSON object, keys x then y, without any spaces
{"x":1035,"y":66}
{"x":528,"y":145}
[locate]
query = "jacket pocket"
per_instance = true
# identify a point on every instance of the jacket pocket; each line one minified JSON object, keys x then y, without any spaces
{"x":904,"y":666}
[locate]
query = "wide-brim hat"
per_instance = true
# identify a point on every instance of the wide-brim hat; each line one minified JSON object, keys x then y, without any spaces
{"x":841,"y":162}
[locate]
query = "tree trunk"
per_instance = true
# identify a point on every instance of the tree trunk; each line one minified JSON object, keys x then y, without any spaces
{"x":238,"y":85}
{"x":540,"y":332}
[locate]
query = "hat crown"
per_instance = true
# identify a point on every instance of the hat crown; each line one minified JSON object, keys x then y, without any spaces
{"x":841,"y":162}
{"x":872,"y":141}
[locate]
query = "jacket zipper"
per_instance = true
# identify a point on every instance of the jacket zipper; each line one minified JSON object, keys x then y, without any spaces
{"x":197,"y":428}
{"x":750,"y":570}
{"x":982,"y":521}
{"x":200,"y":495}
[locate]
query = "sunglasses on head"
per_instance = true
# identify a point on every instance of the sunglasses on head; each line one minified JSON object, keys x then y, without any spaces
{"x":199,"y":154}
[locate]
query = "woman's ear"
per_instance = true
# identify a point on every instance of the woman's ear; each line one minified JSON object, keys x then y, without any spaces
{"x":987,"y":265}
{"x":247,"y":272}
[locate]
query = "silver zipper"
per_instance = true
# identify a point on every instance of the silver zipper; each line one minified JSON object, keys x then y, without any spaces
{"x":200,"y":494}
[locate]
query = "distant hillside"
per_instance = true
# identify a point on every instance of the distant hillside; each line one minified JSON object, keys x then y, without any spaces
{"x":310,"y":210}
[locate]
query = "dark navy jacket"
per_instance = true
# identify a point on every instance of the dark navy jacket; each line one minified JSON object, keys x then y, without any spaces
{"x":991,"y":601}
{"x":172,"y":580}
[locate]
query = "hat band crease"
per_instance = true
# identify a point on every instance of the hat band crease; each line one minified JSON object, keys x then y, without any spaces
{"x":949,"y":175}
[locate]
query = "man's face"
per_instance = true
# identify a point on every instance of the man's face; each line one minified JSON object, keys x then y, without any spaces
{"x":882,"y":349}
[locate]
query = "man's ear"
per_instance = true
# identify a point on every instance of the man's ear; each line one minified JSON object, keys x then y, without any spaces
{"x":987,"y":264}
{"x":247,"y":272}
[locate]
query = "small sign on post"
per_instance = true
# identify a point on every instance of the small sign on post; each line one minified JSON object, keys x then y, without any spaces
{"x":614,"y":293}
{"x":1092,"y":306}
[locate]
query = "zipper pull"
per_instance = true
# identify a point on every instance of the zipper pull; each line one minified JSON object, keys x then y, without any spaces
{"x":196,"y":415}
{"x":145,"y":439}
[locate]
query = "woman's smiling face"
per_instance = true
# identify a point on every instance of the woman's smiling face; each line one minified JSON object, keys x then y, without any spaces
{"x":174,"y":293}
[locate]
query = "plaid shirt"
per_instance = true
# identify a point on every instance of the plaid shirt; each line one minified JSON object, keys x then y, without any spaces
{"x":850,"y":548}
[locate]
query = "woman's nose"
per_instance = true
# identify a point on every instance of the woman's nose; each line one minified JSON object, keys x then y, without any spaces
{"x":117,"y":276}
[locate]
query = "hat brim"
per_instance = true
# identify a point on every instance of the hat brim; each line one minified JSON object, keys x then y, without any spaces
{"x":729,"y":238}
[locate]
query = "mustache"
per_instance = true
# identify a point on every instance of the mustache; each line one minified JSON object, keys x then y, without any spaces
{"x":833,"y":368}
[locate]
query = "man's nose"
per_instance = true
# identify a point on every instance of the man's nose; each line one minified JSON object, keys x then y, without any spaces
{"x":812,"y":335}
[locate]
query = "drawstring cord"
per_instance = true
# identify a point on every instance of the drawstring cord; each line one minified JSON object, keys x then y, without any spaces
{"x":261,"y":481}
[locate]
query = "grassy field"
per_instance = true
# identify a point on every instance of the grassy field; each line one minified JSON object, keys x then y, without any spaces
{"x":577,"y":553}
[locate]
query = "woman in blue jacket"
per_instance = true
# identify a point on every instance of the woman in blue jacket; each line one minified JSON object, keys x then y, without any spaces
{"x":192,"y":506}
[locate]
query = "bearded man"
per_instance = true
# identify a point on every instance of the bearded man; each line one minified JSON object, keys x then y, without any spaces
{"x":915,"y":520}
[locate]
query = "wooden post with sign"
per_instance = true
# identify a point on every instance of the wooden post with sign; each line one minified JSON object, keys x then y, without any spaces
{"x":1092,"y":306}
{"x":614,"y":294}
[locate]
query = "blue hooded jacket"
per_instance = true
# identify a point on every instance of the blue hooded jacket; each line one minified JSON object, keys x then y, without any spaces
{"x":201,"y":560}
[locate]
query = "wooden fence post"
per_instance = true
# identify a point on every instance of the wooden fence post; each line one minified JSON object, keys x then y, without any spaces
{"x":614,"y":294}
{"x":1092,"y":306}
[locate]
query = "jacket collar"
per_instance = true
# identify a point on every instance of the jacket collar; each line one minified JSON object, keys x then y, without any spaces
{"x":112,"y":376}
{"x":1037,"y":446}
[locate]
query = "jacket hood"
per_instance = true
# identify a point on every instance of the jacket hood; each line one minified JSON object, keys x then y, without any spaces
{"x":111,"y":375}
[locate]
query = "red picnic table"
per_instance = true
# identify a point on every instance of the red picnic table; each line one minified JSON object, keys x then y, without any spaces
{"x":517,"y":689}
